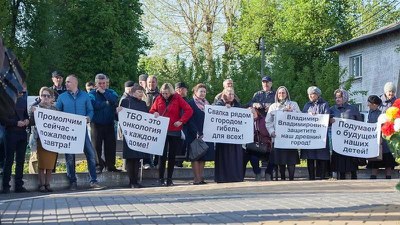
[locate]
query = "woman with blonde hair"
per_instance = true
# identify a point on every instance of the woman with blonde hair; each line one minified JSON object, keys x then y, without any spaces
{"x":173,"y":106}
{"x":46,"y":159}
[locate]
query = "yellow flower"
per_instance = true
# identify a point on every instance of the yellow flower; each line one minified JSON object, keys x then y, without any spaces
{"x":391,"y":113}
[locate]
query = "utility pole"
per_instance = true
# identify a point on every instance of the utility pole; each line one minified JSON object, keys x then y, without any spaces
{"x":261,"y":47}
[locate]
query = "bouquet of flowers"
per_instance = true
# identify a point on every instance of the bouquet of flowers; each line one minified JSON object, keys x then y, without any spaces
{"x":391,"y":126}
{"x":391,"y":129}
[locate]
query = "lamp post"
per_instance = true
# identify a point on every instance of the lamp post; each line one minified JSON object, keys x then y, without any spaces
{"x":261,"y":46}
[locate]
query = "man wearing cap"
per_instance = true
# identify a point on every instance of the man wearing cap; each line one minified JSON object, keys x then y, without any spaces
{"x":127,"y":89}
{"x":58,"y":86}
{"x":143,"y":80}
{"x":182,"y":89}
{"x":261,"y":101}
{"x":104,"y":103}
{"x":227,"y":83}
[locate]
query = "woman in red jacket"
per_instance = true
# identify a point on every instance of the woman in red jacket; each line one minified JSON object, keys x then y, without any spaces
{"x":178,"y":111}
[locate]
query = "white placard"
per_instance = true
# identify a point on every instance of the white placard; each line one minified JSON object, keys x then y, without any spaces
{"x":228,"y":125}
{"x":300,"y":130}
{"x":355,"y":138}
{"x":59,"y":131}
{"x":142,"y":131}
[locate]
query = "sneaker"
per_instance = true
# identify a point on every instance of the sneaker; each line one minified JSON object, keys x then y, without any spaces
{"x":99,"y":170}
{"x":21,"y":190}
{"x":161,"y":182}
{"x":73,"y":186}
{"x":170,"y":183}
{"x":146,"y":166}
{"x":95,"y":186}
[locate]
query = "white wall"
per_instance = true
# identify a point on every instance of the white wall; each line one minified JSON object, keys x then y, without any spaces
{"x":380,"y":64}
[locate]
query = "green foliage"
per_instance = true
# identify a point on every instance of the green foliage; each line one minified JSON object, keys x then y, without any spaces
{"x":79,"y":37}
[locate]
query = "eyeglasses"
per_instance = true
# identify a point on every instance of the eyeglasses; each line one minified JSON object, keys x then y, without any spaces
{"x":45,"y":96}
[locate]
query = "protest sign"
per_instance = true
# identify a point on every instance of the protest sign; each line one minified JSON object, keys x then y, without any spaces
{"x":355,"y":138}
{"x":300,"y":130}
{"x":59,"y":131}
{"x":228,"y":125}
{"x":142,"y":131}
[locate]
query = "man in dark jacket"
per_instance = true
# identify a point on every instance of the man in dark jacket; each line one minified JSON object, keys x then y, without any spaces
{"x":58,"y":86}
{"x":104,"y":103}
{"x":261,"y":101}
{"x":15,"y":144}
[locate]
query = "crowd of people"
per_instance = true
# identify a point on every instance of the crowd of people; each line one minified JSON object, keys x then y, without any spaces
{"x":101,"y":105}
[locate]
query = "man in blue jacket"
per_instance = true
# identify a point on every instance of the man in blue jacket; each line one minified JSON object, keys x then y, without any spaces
{"x":104,"y":103}
{"x":78,"y":102}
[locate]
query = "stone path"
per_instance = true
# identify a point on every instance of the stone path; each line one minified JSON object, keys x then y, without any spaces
{"x":298,"y":202}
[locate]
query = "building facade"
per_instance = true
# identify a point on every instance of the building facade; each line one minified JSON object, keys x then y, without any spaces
{"x":372,"y":60}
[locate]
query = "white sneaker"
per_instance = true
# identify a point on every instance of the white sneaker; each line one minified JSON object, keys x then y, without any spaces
{"x":146,"y":166}
{"x":96,"y":186}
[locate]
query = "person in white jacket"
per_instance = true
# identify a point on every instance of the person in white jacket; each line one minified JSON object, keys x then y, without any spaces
{"x":282,"y":157}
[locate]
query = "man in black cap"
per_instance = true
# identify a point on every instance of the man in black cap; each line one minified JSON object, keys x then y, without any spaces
{"x":182,"y":89}
{"x":128,"y":86}
{"x":58,"y":86}
{"x":264,"y":98}
{"x":261,"y":101}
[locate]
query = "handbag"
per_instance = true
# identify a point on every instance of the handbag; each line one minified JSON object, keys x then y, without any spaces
{"x":257,"y":148}
{"x":198,"y":149}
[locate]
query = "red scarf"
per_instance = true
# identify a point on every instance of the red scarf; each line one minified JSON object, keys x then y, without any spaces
{"x":200,"y":103}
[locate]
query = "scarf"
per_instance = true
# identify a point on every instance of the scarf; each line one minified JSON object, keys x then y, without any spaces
{"x":200,"y":103}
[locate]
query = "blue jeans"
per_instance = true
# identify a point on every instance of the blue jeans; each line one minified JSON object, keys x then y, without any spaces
{"x":91,"y":162}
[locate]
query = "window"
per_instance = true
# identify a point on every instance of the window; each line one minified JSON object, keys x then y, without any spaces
{"x":356,"y":66}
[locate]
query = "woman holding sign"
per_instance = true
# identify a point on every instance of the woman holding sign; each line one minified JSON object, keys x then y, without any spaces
{"x":228,"y":157}
{"x":195,"y":130}
{"x":46,"y":159}
{"x":320,"y":157}
{"x":133,"y":101}
{"x":282,"y":157}
{"x":173,"y":106}
{"x":342,"y":109}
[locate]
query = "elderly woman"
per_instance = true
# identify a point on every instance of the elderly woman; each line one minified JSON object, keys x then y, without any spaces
{"x":172,"y":105}
{"x":316,"y":105}
{"x":282,"y":157}
{"x":388,"y":97}
{"x":195,"y":130}
{"x":228,"y":157}
{"x":342,"y":109}
{"x":133,"y":101}
{"x":46,"y":159}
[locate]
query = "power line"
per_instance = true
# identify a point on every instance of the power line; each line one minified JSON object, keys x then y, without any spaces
{"x":375,"y":14}
{"x":386,"y":12}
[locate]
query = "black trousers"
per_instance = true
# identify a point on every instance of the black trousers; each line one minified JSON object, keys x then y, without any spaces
{"x":2,"y":151}
{"x":15,"y":143}
{"x":104,"y":134}
{"x":132,"y":167}
{"x":172,"y":144}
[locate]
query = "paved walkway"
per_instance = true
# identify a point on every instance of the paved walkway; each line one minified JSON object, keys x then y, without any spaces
{"x":297,"y":202}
